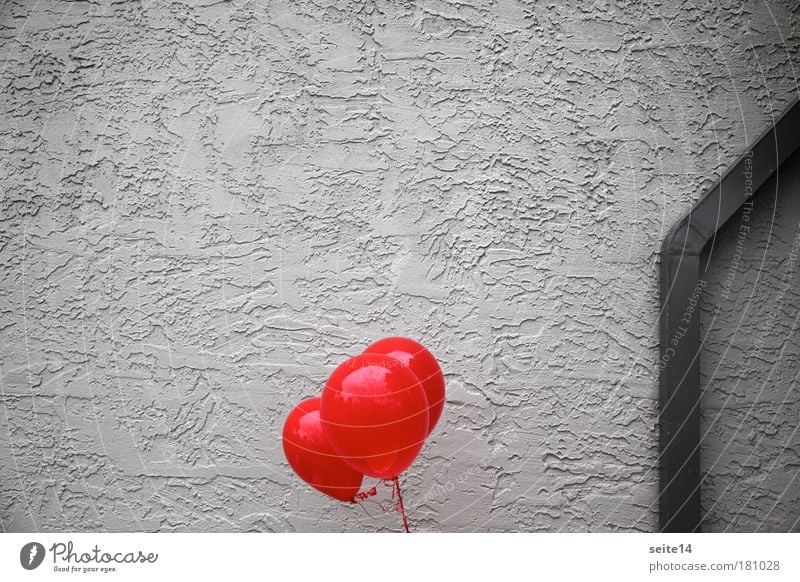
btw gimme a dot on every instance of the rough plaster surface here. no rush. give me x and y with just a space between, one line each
207 205
750 364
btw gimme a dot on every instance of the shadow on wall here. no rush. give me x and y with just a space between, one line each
750 364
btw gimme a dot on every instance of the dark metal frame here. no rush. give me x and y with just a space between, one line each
680 390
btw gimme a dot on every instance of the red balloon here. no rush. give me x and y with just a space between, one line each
312 457
375 414
423 364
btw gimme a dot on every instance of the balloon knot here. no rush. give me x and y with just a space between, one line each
361 495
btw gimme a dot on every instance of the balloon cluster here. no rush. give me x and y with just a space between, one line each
372 418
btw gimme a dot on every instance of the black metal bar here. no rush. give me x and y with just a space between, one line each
680 391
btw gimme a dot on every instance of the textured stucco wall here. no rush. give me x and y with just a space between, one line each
207 205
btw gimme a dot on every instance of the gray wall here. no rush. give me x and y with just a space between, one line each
207 206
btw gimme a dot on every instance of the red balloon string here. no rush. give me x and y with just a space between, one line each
400 507
394 483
